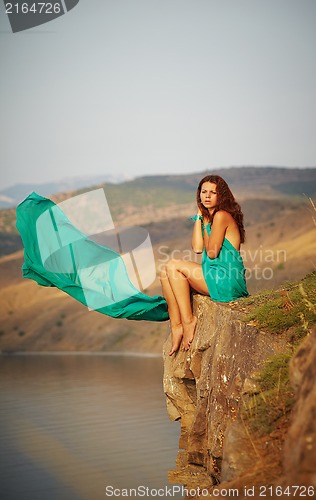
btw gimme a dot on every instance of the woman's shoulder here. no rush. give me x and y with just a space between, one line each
223 216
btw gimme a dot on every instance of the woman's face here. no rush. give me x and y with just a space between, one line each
208 195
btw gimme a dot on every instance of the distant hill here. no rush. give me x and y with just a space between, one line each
272 180
13 195
158 197
266 180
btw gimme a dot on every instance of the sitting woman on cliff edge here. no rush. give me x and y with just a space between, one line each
218 233
57 253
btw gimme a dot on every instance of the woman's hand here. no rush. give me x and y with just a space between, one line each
199 208
197 238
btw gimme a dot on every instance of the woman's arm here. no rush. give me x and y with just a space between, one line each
197 238
219 226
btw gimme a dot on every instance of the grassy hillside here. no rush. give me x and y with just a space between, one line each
280 247
37 318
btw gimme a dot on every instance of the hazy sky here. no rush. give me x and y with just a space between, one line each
158 86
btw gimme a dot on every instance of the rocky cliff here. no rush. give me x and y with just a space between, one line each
245 394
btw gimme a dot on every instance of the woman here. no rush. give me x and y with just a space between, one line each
218 232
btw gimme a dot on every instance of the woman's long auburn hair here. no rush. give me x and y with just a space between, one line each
225 201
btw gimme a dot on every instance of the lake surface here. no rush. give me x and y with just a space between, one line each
73 425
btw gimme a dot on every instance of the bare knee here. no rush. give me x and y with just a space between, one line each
168 270
175 266
172 265
163 273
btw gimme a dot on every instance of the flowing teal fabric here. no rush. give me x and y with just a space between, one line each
57 254
224 275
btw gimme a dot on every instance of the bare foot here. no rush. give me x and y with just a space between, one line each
176 336
188 333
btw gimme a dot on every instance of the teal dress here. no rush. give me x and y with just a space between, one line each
57 254
224 275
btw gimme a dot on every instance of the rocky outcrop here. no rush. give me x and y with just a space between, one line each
206 388
300 460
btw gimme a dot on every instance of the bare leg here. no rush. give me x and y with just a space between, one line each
181 275
174 312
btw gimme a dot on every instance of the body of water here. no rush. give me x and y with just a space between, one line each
83 427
